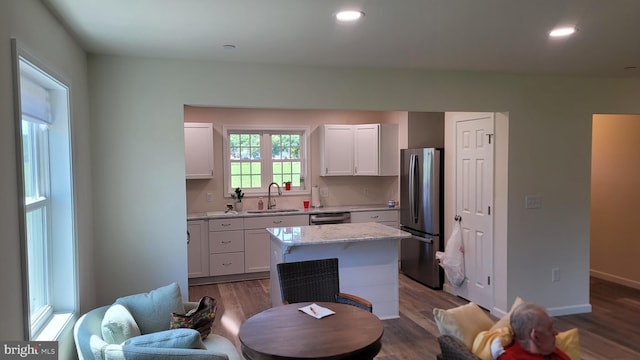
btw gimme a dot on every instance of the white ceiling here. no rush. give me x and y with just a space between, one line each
478 35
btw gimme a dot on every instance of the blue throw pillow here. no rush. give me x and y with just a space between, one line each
152 311
176 338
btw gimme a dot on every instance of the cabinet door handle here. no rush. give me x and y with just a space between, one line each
188 237
226 242
225 225
227 264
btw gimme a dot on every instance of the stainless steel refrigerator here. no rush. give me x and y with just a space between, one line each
421 214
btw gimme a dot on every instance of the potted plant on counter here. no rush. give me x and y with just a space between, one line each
237 195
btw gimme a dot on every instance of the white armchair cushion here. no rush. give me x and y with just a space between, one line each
152 310
175 338
118 325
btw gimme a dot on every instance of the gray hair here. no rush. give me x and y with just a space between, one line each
525 317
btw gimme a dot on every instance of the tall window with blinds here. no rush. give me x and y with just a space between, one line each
46 183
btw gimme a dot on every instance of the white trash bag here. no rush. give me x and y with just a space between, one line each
452 259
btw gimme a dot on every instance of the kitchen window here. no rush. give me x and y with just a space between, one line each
257 157
47 226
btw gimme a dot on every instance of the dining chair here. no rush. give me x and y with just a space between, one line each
315 280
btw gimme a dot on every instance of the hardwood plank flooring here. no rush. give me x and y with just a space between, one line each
610 331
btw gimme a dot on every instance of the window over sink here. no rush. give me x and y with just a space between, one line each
256 157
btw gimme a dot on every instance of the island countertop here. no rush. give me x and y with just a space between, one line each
335 233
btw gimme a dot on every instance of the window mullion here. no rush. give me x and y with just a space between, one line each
267 162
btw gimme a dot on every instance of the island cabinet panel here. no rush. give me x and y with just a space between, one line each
367 259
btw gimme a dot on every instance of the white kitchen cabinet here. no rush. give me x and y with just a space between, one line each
226 246
256 253
197 248
361 150
376 151
336 154
385 217
198 150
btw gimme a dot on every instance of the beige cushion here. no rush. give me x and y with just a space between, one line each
506 320
118 325
482 343
568 342
463 322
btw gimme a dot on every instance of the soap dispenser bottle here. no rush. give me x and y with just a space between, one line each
260 204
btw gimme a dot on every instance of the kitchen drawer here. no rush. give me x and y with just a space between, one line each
264 222
226 224
374 216
226 241
226 264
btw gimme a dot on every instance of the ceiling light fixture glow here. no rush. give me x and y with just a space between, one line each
566 31
349 15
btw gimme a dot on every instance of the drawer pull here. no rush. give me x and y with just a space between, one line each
227 264
226 242
277 221
225 224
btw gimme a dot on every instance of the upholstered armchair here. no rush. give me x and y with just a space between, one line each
142 331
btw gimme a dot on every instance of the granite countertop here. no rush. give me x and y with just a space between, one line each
310 211
335 233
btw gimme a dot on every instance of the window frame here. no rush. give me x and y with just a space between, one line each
266 160
58 197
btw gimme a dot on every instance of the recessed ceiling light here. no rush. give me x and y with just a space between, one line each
349 15
565 31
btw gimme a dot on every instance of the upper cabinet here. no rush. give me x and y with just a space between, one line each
336 150
361 150
198 150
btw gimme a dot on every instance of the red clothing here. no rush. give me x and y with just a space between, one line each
516 352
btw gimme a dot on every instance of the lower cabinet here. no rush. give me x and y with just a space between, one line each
197 248
257 255
226 246
385 217
235 245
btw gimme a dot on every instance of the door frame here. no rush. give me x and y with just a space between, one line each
501 298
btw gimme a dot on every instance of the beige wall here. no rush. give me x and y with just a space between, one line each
343 190
615 177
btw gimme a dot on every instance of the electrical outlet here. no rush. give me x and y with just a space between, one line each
555 274
532 202
209 197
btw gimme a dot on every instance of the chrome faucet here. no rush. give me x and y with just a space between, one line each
269 204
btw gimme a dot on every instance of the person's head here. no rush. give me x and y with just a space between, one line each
533 329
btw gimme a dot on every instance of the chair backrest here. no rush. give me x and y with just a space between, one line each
313 280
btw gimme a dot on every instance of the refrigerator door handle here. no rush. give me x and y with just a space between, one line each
413 183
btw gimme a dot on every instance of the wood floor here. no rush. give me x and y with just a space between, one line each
611 331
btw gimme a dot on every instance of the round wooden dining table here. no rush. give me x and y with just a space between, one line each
284 332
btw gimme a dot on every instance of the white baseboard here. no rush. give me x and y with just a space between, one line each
615 279
569 310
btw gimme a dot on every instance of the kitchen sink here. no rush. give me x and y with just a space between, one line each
222 212
270 211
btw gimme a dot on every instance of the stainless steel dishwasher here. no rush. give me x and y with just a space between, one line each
341 217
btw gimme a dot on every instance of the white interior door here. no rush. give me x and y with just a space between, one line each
474 201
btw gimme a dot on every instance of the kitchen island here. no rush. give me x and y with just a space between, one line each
367 255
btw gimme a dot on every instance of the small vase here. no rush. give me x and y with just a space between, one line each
238 205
